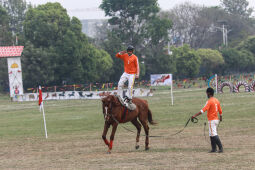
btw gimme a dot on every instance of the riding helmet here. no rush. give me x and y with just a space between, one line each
130 48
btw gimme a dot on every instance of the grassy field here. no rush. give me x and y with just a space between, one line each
75 128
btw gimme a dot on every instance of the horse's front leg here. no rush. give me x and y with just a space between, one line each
114 128
106 127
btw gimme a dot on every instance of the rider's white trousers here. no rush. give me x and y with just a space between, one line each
131 79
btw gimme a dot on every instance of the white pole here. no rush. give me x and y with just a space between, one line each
172 93
223 34
44 120
226 34
216 82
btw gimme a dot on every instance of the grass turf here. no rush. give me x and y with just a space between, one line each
75 127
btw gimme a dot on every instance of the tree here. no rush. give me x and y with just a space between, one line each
247 54
248 44
157 31
161 64
238 28
237 7
187 61
211 60
129 18
5 34
37 68
5 40
200 27
237 61
16 10
134 22
46 24
111 43
156 58
188 28
68 56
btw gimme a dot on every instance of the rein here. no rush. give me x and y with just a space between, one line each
125 127
193 120
131 130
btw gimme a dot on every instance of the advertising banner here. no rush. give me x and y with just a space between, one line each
15 76
72 95
161 79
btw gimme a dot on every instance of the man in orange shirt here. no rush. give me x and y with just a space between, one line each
131 71
212 107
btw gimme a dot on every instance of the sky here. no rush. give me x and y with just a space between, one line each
88 9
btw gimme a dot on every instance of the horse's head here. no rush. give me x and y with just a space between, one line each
108 103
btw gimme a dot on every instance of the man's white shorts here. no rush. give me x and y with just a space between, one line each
213 124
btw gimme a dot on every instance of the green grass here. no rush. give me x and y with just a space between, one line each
75 127
82 116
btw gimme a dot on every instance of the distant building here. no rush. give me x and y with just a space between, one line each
89 26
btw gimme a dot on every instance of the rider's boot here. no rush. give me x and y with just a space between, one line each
127 101
213 144
218 142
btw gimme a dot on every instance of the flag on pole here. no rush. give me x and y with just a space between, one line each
40 102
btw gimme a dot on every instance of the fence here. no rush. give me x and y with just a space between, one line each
200 82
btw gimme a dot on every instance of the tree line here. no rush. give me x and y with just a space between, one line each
193 33
185 41
56 51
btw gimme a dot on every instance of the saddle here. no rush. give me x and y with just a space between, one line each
128 105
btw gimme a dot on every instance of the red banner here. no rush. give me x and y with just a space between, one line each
11 51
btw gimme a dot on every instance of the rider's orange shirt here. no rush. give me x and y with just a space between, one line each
131 64
212 107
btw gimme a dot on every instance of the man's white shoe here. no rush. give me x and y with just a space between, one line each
129 104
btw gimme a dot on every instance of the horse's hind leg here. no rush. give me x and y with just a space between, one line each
138 127
146 130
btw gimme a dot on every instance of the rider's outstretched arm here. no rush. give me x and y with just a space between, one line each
120 54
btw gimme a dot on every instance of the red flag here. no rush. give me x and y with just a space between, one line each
40 102
40 96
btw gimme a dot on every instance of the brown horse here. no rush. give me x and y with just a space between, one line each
115 113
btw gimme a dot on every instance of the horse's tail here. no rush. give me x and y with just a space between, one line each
150 118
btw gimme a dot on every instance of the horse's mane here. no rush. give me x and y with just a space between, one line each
112 98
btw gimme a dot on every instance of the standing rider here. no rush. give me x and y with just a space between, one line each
212 107
131 72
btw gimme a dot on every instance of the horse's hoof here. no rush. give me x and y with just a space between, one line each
147 148
137 147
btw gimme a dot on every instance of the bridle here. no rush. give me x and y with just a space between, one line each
107 115
107 112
